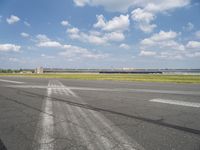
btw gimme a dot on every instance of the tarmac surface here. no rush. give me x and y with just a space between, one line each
58 114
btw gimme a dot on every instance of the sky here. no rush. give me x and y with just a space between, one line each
99 34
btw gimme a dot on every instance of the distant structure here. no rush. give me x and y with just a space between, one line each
39 70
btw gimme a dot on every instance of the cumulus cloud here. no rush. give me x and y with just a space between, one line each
25 35
162 40
95 37
124 46
193 44
71 51
164 45
114 36
12 19
13 59
9 47
145 10
143 19
64 23
124 5
47 56
44 41
197 34
81 3
119 23
188 27
147 53
103 32
27 24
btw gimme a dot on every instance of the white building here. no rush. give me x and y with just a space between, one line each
39 70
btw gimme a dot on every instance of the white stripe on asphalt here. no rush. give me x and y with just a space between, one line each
44 133
111 90
176 102
94 130
11 81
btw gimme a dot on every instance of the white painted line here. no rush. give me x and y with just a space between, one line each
102 134
176 102
44 133
11 81
110 90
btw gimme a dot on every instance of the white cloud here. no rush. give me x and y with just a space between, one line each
44 41
13 19
75 51
143 19
42 38
13 59
124 5
95 37
64 23
25 35
47 56
147 11
120 23
188 27
114 36
9 47
73 30
27 24
100 22
147 53
192 55
193 44
159 38
80 3
124 46
170 55
69 51
111 31
197 34
164 44
51 44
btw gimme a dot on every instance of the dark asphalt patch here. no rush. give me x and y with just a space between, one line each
2 146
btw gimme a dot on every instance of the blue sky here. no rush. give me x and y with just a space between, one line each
100 33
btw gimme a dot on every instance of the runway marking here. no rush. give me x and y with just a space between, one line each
176 102
44 133
89 128
11 81
110 90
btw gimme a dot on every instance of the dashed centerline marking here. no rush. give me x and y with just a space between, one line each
176 102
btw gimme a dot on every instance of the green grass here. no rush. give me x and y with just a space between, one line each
119 77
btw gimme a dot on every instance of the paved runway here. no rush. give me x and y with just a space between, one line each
58 114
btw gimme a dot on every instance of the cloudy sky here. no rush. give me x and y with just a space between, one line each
100 33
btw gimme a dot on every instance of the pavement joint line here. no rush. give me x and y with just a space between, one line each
176 102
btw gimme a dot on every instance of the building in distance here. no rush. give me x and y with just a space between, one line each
39 70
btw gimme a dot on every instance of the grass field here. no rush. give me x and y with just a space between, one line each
119 77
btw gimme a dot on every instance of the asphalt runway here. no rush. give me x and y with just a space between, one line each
58 114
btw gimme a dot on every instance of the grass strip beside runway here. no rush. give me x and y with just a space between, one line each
119 77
